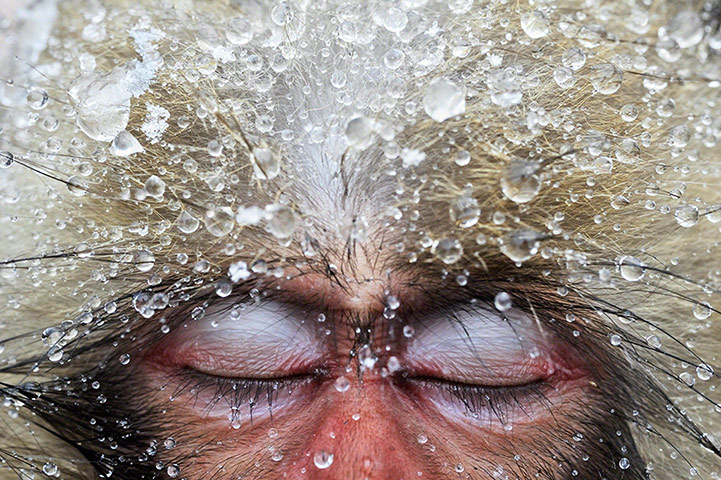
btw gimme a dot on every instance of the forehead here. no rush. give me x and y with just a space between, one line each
410 131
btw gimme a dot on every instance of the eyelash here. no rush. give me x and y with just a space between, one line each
239 392
497 400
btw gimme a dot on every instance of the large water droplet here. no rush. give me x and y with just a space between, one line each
444 99
520 245
281 222
449 250
322 459
125 144
606 78
519 182
219 221
535 24
631 268
144 260
155 186
187 223
464 210
686 215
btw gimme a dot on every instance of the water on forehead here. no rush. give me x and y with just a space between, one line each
341 77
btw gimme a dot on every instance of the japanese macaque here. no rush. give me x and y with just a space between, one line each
384 240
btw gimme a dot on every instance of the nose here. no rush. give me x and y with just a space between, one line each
363 433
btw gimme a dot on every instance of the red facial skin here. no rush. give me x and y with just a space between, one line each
373 428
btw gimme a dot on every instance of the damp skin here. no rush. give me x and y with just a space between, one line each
367 240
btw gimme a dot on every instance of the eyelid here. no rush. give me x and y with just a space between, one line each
484 346
261 342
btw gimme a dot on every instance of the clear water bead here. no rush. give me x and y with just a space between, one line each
449 250
520 245
503 301
187 223
50 469
686 215
631 268
535 24
704 372
444 99
686 29
281 222
322 459
125 144
219 221
341 384
519 182
155 186
144 260
395 19
606 78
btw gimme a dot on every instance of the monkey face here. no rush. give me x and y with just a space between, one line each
326 240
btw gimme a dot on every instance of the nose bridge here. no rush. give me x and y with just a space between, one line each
359 437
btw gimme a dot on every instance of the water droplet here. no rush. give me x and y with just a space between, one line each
6 159
564 77
535 24
173 471
624 463
342 384
408 331
322 459
629 112
679 136
519 182
124 359
187 223
686 28
281 223
463 158
615 340
125 144
654 341
606 78
702 310
282 13
50 469
155 186
393 58
38 98
520 245
449 250
704 372
686 215
144 260
395 19
359 132
631 268
464 210
219 221
628 151
574 58
503 301
266 164
444 99
239 31
687 378
77 186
